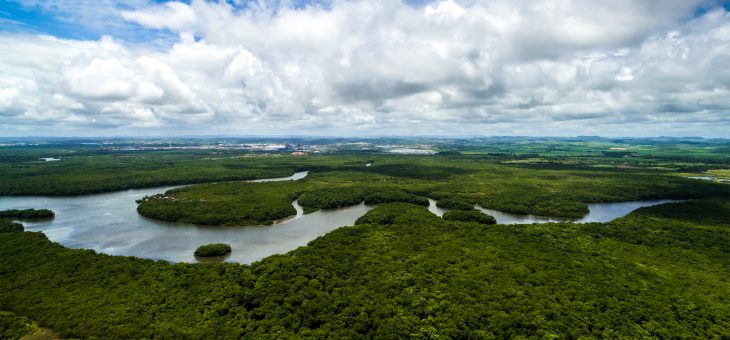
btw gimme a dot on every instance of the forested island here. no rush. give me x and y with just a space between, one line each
400 271
212 250
456 182
26 214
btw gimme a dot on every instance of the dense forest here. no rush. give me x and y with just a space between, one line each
8 226
401 272
469 216
13 326
214 249
456 182
26 214
80 175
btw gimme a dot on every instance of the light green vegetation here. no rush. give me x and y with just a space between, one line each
401 272
660 153
14 327
723 174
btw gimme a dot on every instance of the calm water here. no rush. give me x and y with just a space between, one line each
410 151
109 223
294 177
598 212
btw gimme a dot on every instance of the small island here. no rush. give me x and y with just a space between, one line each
27 214
213 250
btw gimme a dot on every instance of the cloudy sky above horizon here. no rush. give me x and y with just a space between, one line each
364 68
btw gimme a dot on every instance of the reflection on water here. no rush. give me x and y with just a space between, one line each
109 223
294 177
412 151
434 209
506 218
213 259
300 213
598 212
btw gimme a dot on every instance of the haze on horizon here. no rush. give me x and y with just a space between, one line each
365 68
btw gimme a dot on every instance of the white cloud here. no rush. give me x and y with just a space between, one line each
548 67
170 15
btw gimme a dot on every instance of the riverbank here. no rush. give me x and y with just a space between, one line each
403 272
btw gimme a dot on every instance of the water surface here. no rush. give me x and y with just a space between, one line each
109 223
598 212
412 151
294 177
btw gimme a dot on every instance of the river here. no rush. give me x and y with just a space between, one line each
597 212
109 223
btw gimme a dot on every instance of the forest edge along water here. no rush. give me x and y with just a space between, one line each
109 223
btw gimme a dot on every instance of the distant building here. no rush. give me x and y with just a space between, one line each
298 153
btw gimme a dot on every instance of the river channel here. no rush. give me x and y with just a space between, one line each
109 223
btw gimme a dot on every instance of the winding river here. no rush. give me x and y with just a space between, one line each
597 212
109 223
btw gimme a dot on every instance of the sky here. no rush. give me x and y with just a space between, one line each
633 68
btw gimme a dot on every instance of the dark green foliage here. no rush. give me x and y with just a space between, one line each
346 196
714 212
79 175
214 249
239 203
555 206
387 196
400 272
448 153
418 171
8 226
26 214
14 327
469 216
528 201
332 198
454 203
525 182
547 191
391 213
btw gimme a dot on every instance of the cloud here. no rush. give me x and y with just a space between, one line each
544 67
171 15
